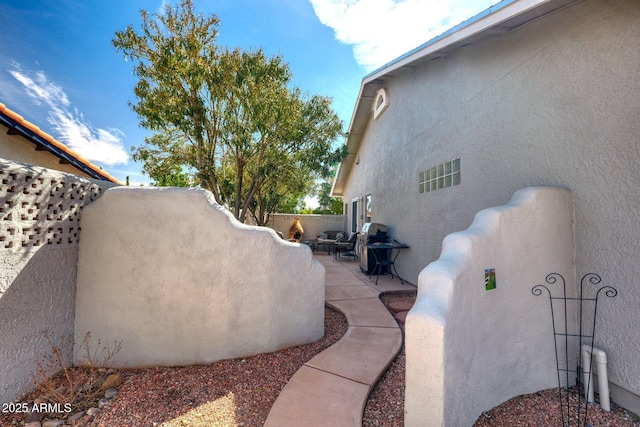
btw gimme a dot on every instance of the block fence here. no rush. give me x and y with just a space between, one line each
39 234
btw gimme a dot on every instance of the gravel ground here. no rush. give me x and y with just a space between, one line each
542 409
385 406
236 392
240 392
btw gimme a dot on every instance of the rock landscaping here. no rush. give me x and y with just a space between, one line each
90 397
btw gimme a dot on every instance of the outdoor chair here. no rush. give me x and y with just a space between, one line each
328 239
347 248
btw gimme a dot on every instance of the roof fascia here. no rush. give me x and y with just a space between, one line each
18 126
486 20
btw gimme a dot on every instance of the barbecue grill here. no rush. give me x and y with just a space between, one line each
371 233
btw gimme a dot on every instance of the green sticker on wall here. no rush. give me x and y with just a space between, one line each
489 279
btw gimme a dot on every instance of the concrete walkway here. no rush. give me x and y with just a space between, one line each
332 388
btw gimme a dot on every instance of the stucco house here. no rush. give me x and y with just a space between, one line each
528 93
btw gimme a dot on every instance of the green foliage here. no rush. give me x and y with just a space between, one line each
326 203
306 211
229 116
175 179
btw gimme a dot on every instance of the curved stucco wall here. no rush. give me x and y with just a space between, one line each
179 281
470 349
554 103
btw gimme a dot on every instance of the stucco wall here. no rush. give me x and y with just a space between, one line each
313 224
468 348
179 281
39 213
554 103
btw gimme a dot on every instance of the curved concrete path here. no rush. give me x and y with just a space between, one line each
332 388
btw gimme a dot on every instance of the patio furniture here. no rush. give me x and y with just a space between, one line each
385 261
328 240
326 244
312 243
346 248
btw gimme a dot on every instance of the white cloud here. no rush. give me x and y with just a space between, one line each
39 88
99 145
382 30
162 7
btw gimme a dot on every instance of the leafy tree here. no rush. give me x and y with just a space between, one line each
283 194
174 179
227 116
326 203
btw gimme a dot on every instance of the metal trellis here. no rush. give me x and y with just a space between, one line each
562 333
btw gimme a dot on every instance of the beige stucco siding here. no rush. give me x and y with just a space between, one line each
18 149
554 103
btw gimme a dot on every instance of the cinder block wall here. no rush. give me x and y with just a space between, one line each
39 232
174 277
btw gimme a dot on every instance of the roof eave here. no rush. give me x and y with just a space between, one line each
19 126
502 18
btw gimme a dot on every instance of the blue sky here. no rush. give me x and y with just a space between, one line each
59 70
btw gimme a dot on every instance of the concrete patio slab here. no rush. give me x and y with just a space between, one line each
336 293
326 259
316 398
341 278
365 312
386 283
331 265
354 357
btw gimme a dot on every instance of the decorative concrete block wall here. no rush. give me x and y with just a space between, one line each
175 278
470 349
39 232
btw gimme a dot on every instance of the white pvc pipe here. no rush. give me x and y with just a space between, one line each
603 380
587 378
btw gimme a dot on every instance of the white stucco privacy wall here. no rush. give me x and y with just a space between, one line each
179 281
469 349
